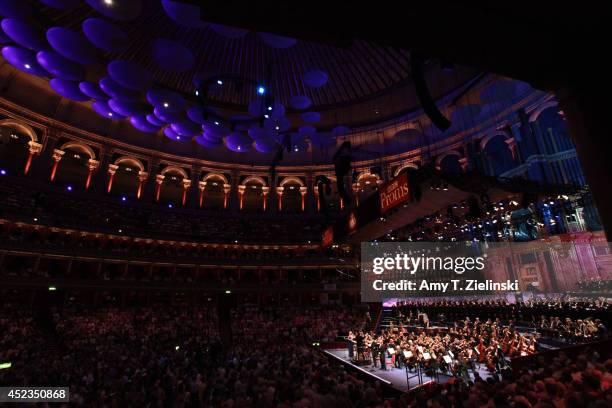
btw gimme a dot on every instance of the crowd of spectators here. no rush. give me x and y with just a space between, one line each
175 357
570 380
39 237
159 357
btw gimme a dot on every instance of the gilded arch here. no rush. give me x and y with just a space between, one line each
292 179
132 161
176 171
21 127
79 147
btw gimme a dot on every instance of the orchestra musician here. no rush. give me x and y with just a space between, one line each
468 342
350 341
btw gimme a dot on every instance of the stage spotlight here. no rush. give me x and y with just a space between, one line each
261 90
69 188
219 82
3 172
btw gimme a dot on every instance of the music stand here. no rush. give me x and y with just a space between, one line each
418 375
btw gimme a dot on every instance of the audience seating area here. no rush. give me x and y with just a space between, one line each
176 356
25 200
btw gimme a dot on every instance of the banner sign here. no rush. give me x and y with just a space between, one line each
394 193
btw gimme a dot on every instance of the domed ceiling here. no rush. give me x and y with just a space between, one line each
159 67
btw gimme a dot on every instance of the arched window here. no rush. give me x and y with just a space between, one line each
252 194
498 154
128 176
172 186
214 191
292 194
14 148
366 185
74 169
449 163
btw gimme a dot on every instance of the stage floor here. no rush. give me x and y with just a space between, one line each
396 376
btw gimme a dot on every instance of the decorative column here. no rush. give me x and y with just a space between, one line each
318 199
356 193
265 191
142 177
194 196
159 179
273 196
512 146
515 131
57 156
241 189
34 149
279 194
310 196
50 142
303 193
234 201
92 165
201 188
150 185
112 169
227 189
186 185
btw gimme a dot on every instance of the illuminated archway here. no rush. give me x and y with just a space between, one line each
367 184
449 162
292 194
498 149
253 194
172 186
214 191
74 164
126 176
18 145
404 167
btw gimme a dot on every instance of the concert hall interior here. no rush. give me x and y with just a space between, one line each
191 194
